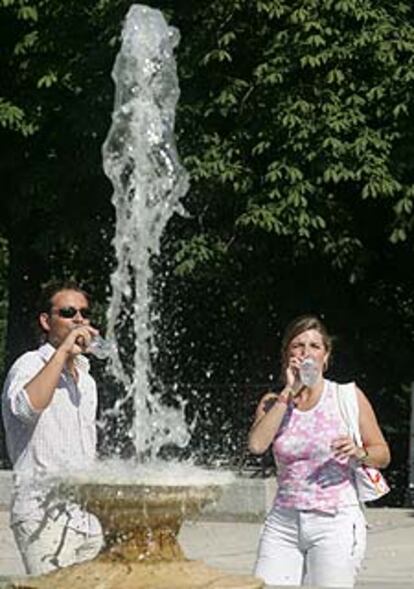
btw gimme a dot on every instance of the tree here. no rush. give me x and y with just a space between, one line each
295 125
295 121
55 212
294 114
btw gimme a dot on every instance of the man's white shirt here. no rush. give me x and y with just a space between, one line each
59 439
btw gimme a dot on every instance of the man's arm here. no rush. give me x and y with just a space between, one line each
41 388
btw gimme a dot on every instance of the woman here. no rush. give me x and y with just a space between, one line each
315 532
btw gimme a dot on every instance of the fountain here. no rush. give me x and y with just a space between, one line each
141 504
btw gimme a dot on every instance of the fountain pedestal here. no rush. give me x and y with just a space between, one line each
141 525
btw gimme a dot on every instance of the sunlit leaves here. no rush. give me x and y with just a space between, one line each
27 12
283 104
47 80
219 55
13 117
198 252
321 105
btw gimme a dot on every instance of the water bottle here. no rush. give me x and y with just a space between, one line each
309 372
100 347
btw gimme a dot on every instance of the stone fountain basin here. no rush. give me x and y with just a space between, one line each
126 506
141 523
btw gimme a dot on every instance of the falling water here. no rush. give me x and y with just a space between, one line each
141 160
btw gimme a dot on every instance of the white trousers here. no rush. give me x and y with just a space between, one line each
49 545
311 548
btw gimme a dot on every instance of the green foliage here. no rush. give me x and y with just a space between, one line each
295 124
197 251
12 117
55 212
298 114
55 110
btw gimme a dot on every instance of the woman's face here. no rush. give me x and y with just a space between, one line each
309 344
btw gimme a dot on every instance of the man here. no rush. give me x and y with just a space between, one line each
49 410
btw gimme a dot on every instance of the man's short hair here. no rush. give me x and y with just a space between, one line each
53 287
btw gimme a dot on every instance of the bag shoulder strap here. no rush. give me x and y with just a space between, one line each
349 408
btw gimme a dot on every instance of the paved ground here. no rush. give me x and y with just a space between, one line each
231 546
389 563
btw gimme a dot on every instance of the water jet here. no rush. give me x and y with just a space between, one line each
141 512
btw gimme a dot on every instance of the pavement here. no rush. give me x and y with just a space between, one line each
231 545
389 561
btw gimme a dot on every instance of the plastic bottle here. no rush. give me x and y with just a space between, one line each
309 372
100 347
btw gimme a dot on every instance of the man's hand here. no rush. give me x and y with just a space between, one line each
78 339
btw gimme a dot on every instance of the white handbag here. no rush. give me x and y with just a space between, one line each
370 483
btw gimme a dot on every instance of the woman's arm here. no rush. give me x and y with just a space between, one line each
375 451
268 420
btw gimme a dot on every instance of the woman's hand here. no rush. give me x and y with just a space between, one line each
345 447
292 373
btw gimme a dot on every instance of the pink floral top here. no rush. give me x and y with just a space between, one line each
310 477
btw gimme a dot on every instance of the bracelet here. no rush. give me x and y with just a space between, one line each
285 397
362 458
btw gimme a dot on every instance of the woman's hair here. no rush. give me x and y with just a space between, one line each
298 326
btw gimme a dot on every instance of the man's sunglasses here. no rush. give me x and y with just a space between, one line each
70 312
